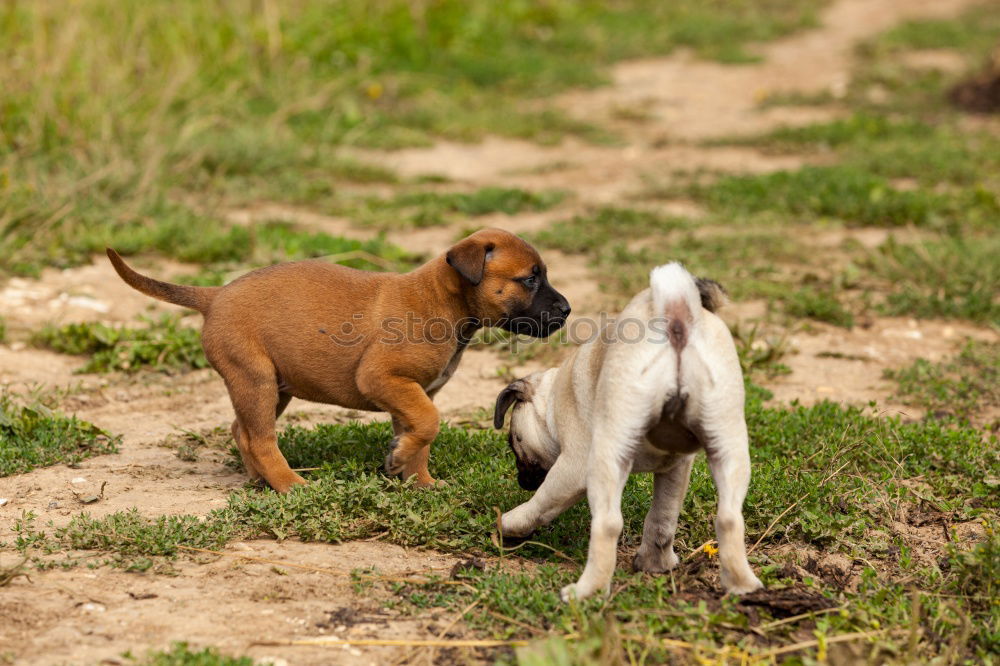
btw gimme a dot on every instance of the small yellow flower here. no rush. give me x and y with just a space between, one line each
710 550
374 90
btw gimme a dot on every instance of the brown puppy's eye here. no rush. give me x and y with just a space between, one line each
530 282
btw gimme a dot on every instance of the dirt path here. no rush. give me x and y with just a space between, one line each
83 616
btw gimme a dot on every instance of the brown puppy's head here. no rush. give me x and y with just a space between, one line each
506 283
535 449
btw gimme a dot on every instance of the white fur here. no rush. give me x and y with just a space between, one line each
596 422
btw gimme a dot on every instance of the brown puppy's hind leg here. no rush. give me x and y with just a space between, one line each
415 422
257 403
241 443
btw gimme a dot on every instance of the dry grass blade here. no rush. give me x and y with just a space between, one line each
9 574
842 638
396 642
792 506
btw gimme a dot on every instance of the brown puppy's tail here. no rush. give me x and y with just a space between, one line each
196 298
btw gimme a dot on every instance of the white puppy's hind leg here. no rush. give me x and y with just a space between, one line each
606 478
563 487
729 461
656 553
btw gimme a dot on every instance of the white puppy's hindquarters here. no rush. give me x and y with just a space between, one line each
639 401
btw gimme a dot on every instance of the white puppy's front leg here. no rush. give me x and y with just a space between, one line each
729 461
656 553
606 478
563 487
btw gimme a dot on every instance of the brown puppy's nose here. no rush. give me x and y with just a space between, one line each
562 305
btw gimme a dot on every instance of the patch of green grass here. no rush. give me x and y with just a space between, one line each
106 112
35 436
163 345
818 304
974 31
895 145
948 277
957 387
846 193
759 353
606 225
180 654
349 498
424 209
882 80
953 607
275 241
802 456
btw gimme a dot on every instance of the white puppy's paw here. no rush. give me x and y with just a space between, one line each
744 584
655 560
569 593
581 590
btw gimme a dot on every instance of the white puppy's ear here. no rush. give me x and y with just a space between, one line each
519 390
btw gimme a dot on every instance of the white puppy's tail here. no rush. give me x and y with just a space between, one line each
676 299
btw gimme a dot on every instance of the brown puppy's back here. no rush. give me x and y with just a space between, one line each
302 318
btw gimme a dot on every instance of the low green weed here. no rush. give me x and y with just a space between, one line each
35 436
180 654
946 277
818 304
234 103
958 387
597 229
348 497
163 345
424 209
802 456
847 193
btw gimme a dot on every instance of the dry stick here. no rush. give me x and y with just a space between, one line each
794 618
792 506
454 621
517 623
698 550
842 638
395 642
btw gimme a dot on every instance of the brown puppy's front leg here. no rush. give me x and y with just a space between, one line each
414 420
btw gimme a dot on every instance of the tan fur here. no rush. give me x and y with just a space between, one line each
270 335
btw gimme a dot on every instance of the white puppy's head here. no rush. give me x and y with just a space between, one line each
530 438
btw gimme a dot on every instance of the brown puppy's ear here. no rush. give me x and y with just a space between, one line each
468 257
515 391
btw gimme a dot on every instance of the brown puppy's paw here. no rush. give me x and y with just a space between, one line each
393 467
282 483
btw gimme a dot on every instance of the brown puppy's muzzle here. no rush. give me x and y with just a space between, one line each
546 314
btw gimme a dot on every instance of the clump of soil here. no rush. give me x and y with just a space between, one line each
981 93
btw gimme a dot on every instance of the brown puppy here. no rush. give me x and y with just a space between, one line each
365 340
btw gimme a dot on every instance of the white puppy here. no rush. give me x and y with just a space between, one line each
661 383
